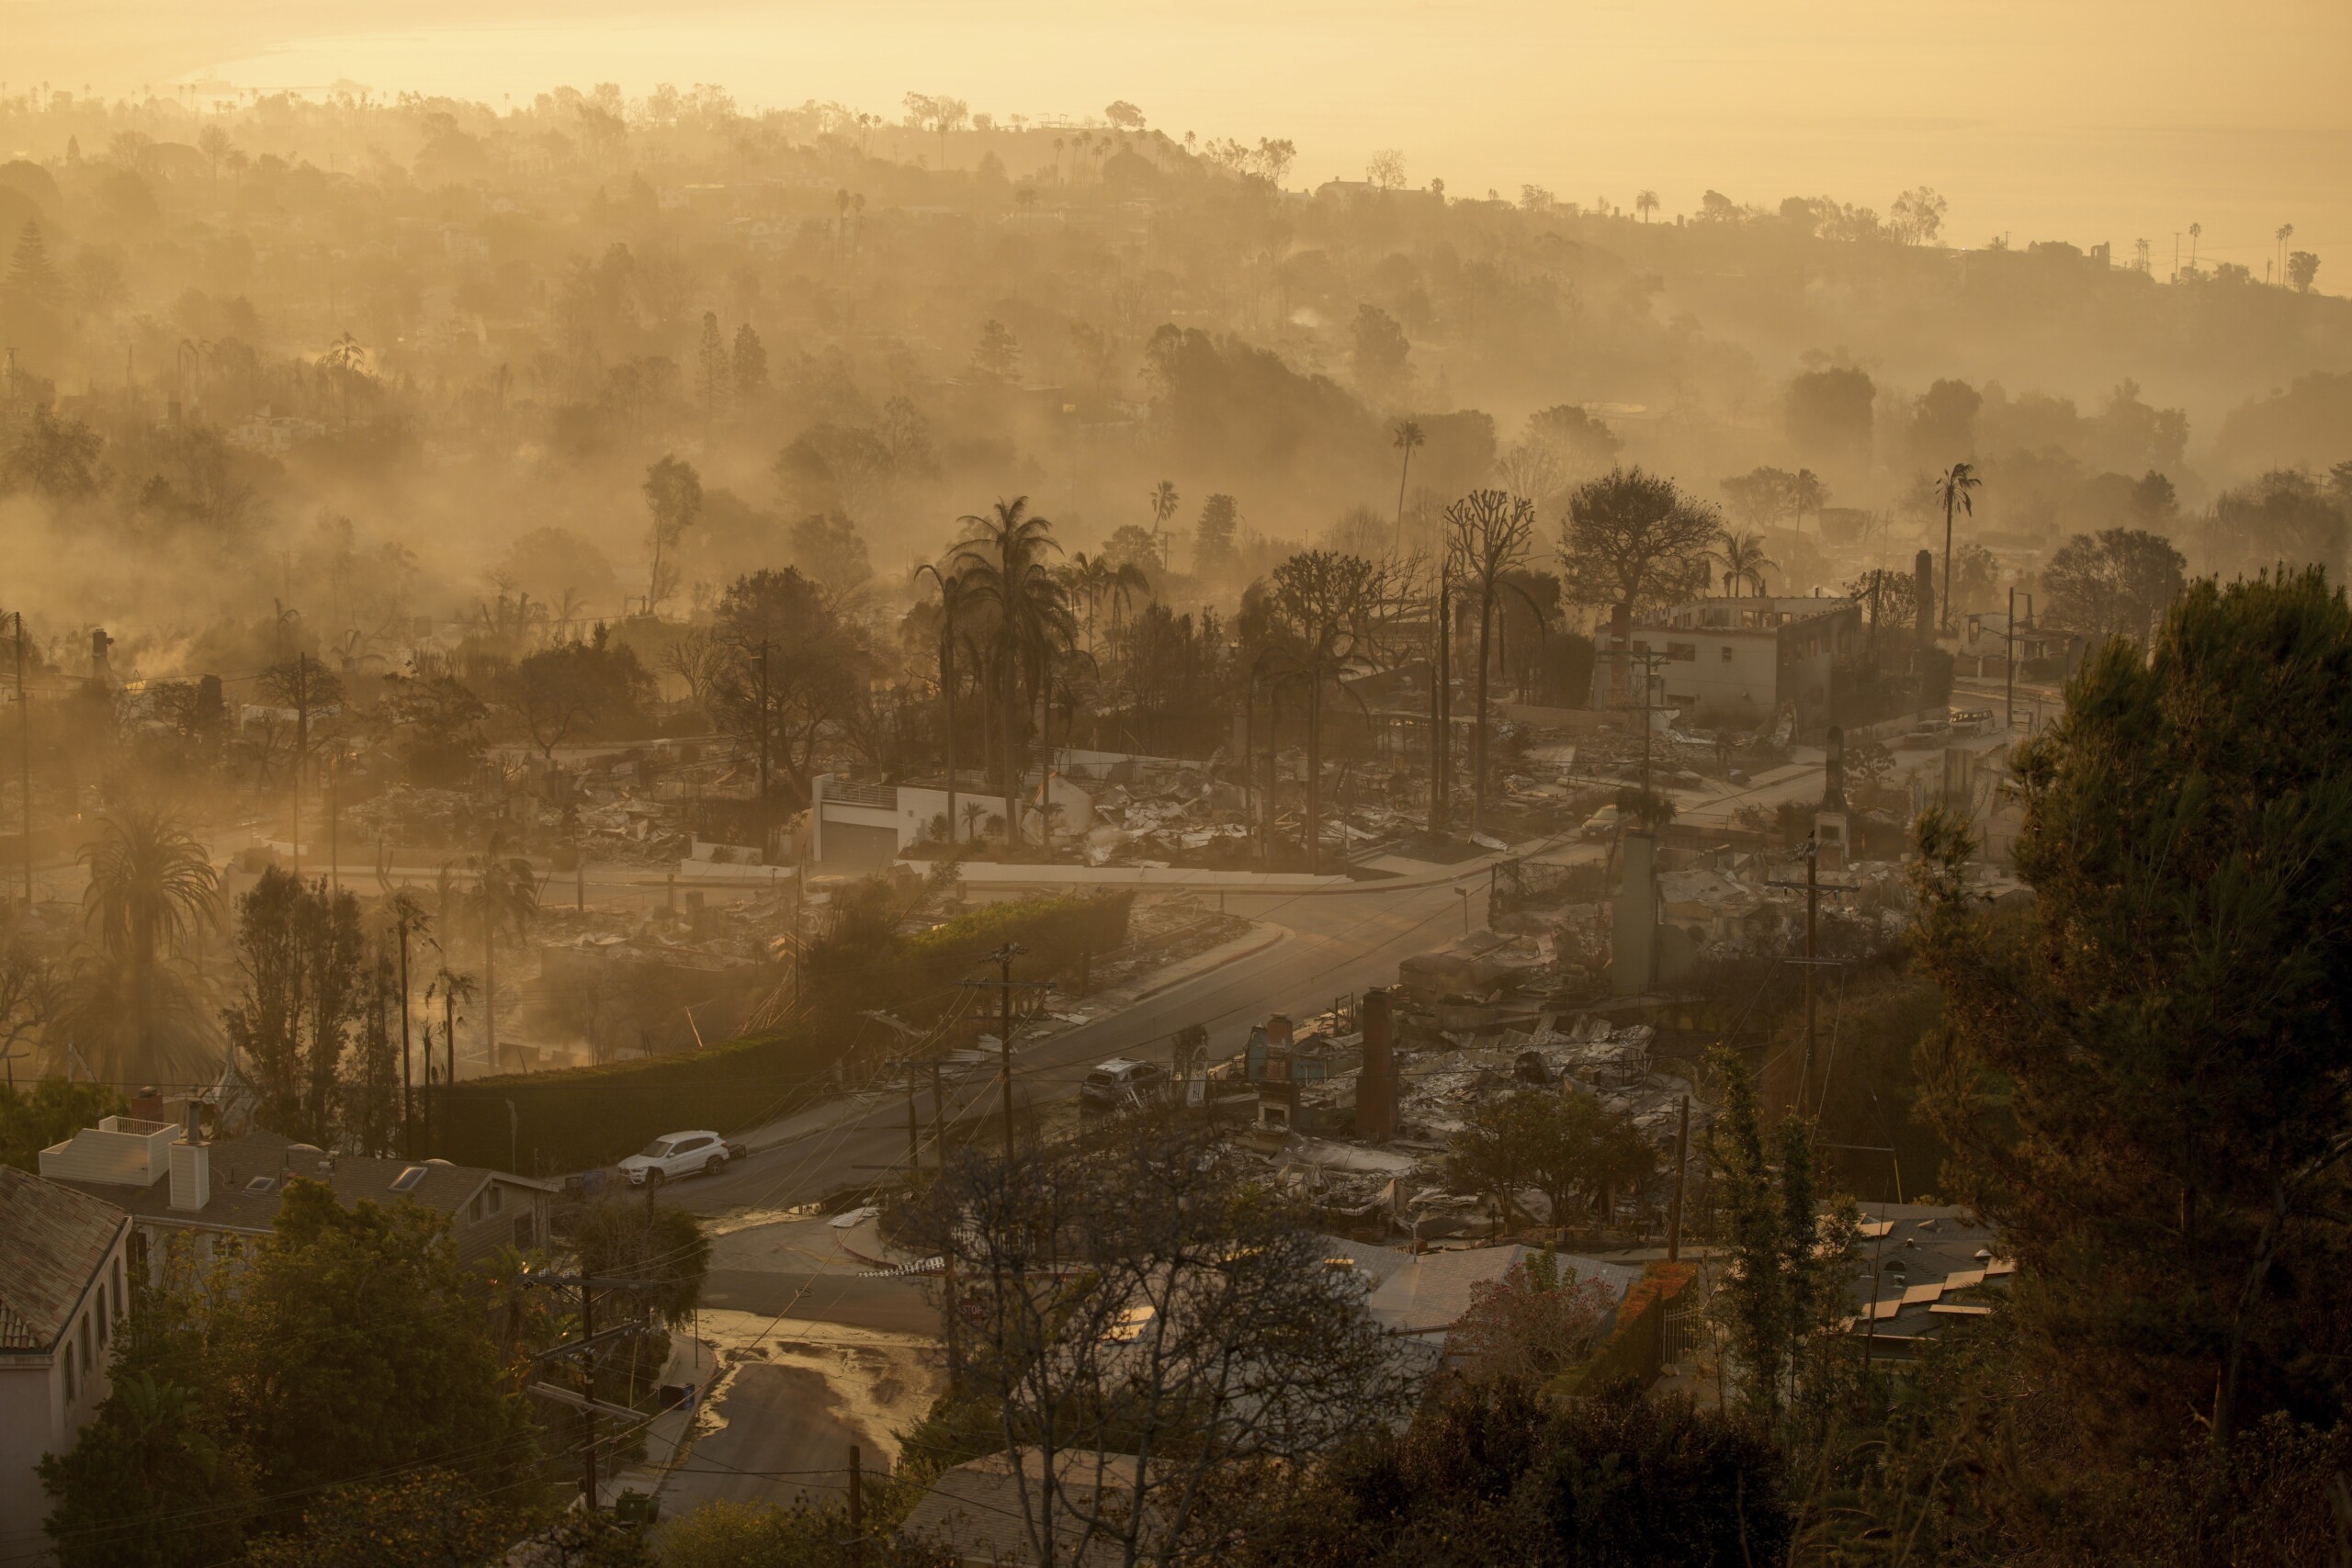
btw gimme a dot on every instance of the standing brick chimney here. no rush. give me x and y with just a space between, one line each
1376 1084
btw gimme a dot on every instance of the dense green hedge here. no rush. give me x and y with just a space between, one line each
588 1117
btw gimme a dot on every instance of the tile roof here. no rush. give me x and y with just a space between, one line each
53 1241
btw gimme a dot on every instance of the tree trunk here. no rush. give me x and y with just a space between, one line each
490 988
1478 734
2226 1396
1313 771
1012 751
1440 717
947 690
408 1090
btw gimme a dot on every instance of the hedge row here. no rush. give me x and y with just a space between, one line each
588 1117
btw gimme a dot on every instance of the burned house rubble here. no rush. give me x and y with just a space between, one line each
1355 1109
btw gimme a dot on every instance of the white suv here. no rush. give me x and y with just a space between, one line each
675 1155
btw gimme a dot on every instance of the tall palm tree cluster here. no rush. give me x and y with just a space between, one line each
318 1018
1031 650
1004 620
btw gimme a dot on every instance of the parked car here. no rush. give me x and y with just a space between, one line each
1601 823
673 1155
1120 1082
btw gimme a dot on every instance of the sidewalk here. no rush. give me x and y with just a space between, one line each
692 1361
1178 879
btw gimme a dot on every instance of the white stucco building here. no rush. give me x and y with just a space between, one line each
1731 661
63 1277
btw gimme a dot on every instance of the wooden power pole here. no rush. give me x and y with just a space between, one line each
1004 985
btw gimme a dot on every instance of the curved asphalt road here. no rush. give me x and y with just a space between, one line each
1333 943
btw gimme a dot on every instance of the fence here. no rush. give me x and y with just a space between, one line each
1653 1324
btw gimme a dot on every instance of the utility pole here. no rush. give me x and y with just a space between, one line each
1004 984
2009 714
585 1349
1249 755
24 733
914 1146
588 1392
1674 1206
938 1117
334 852
1441 704
1813 889
763 723
856 1507
301 753
407 1092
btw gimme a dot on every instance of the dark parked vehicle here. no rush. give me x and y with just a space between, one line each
1122 1084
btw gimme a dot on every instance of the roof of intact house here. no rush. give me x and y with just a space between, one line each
249 1180
1933 1264
53 1241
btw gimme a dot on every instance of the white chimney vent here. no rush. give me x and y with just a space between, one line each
191 1176
191 1166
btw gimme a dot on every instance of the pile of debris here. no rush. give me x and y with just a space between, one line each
1300 1086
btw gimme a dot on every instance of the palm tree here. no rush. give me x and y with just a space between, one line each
952 613
1163 507
347 361
1002 555
1743 559
1952 489
1121 584
451 988
1645 203
1406 437
2286 232
974 813
403 917
151 884
505 892
1806 493
2196 232
1089 578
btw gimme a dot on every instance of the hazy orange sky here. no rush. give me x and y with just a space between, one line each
2079 120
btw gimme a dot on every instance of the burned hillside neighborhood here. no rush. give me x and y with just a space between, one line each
751 826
